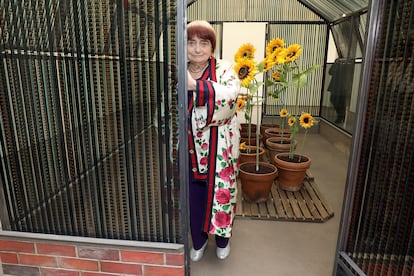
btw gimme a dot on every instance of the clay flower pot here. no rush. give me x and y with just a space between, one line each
276 145
263 128
245 128
253 140
250 156
276 132
256 185
291 172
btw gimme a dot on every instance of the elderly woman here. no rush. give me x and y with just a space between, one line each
213 136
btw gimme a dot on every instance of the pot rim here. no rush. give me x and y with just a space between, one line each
277 139
253 150
265 164
282 163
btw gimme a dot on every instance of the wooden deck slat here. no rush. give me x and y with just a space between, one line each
315 199
263 209
286 204
302 205
277 202
322 199
311 206
254 209
295 206
307 204
271 208
239 209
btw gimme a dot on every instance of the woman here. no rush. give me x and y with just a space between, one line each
213 141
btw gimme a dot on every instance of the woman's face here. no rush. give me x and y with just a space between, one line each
199 50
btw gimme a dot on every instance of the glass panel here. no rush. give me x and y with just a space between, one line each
341 93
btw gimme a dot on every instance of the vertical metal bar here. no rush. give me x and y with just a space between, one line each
160 30
356 147
183 124
125 186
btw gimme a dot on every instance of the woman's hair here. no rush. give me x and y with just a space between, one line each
202 29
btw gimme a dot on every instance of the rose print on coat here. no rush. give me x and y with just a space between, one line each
222 219
227 173
223 196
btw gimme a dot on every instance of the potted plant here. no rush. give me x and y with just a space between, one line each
291 166
256 177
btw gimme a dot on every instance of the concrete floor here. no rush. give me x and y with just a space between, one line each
288 248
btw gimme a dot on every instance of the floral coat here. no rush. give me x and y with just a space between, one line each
214 137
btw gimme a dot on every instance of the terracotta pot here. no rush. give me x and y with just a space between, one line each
245 128
251 156
291 172
256 185
276 145
252 142
276 132
263 128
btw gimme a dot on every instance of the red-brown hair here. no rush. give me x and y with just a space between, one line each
203 30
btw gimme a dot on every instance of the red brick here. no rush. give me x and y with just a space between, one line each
17 246
175 259
60 272
39 260
20 270
79 264
98 253
150 270
10 258
142 257
134 269
56 249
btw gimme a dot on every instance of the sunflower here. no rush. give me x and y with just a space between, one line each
245 70
245 51
283 112
243 146
306 120
293 52
273 45
241 102
268 63
281 58
276 76
292 121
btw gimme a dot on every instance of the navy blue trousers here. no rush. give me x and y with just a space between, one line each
198 194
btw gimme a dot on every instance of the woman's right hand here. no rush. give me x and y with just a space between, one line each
191 82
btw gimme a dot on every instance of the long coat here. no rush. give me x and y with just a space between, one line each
214 137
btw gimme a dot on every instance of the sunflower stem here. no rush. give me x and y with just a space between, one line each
257 131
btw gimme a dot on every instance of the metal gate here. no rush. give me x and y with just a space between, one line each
88 126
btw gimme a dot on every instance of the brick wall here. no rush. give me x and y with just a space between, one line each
53 257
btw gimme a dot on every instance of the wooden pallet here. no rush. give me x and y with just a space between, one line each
306 205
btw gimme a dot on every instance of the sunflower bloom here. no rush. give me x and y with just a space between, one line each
276 76
281 58
243 146
291 121
306 120
241 102
274 45
246 51
245 70
268 63
283 112
293 52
